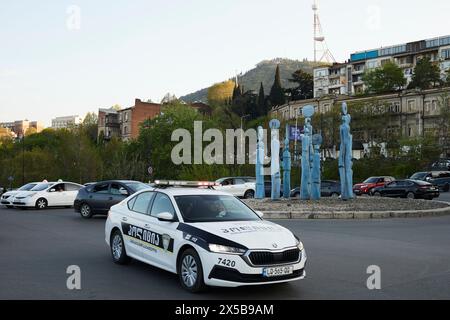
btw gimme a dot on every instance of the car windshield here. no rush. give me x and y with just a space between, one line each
213 208
418 176
137 186
27 187
41 187
371 180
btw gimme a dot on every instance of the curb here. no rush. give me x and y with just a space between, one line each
357 215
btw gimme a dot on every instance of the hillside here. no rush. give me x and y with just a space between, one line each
263 72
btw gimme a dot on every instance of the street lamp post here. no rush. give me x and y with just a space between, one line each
242 129
23 158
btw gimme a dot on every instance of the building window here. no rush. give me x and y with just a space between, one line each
434 105
445 54
125 130
427 106
410 131
411 105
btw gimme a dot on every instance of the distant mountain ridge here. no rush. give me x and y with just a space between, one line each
263 72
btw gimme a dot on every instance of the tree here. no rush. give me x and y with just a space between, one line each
221 92
426 75
305 86
276 96
262 103
386 79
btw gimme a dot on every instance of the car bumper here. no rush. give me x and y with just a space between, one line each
5 202
242 274
24 203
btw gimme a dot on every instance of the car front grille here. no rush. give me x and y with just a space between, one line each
265 258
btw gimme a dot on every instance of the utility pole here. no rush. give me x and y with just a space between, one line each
23 158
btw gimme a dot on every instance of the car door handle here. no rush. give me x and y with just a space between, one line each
124 219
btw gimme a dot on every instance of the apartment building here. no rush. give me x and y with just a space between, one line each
20 127
411 113
66 122
347 78
108 123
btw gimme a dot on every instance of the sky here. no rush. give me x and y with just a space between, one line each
63 57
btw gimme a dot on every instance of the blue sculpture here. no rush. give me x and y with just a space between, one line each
345 156
259 190
286 167
315 175
275 159
307 154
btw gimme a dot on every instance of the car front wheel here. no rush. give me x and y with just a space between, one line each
190 271
86 211
41 204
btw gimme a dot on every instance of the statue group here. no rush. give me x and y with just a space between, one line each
310 160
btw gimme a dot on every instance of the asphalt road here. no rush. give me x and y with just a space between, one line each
36 247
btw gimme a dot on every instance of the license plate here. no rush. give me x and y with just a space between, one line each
278 271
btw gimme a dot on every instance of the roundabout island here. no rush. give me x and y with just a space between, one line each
358 208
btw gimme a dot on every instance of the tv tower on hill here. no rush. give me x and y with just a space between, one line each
320 45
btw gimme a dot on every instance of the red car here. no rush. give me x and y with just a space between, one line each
369 184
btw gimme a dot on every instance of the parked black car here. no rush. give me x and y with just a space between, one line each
98 198
268 188
443 164
440 179
411 189
328 188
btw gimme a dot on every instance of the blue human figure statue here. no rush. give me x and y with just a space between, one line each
275 159
345 156
305 190
260 192
286 167
315 174
307 154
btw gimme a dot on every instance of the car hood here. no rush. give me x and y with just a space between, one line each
24 193
11 193
364 185
251 234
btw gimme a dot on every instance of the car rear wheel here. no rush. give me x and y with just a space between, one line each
86 211
297 195
118 251
410 195
41 204
249 194
377 194
190 271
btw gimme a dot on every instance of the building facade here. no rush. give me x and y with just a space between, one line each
347 78
20 127
411 113
66 122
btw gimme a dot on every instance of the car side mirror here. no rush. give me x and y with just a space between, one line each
52 190
427 178
260 214
124 192
166 216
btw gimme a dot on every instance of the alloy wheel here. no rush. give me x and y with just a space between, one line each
117 247
189 271
85 210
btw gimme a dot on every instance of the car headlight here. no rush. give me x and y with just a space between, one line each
299 244
217 248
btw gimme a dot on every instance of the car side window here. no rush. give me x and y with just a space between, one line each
102 188
227 182
142 202
162 204
116 189
72 187
59 187
239 181
392 185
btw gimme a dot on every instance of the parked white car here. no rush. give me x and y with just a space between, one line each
48 194
8 197
242 187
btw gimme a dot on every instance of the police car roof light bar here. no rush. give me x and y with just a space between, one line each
192 184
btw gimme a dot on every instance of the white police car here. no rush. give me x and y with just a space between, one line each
207 237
